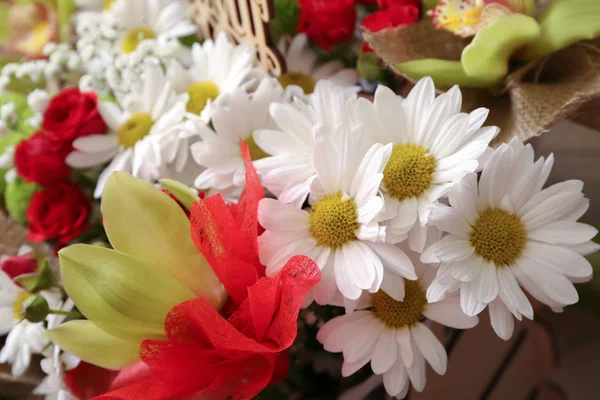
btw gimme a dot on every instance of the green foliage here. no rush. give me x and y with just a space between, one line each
17 197
287 14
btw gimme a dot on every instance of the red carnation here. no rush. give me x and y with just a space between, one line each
72 114
41 159
389 18
59 212
327 22
238 353
19 265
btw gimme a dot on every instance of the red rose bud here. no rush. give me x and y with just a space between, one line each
327 22
389 18
72 114
41 159
59 212
19 265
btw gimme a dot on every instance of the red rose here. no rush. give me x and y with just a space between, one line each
384 4
41 159
327 22
59 212
389 18
19 265
73 114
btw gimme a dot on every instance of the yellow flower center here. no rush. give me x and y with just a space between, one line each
18 305
256 153
107 4
306 82
498 236
134 129
200 93
333 221
399 314
409 172
133 38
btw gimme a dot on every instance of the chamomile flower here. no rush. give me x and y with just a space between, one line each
218 68
289 171
303 69
392 335
435 145
339 232
145 19
506 233
238 116
130 146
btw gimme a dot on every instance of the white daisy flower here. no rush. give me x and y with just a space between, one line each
435 145
218 68
506 232
132 144
56 362
392 335
150 19
290 170
238 116
339 232
304 71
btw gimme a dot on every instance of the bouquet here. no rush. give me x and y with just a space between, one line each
214 229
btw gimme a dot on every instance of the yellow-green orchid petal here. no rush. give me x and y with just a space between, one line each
563 23
90 343
183 193
145 223
126 298
444 73
489 54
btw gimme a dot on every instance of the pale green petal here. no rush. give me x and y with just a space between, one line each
184 194
444 73
147 224
90 343
123 296
489 54
563 23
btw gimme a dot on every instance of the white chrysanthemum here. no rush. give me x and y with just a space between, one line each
56 362
506 232
238 116
150 19
132 144
218 68
391 335
290 170
303 69
24 338
435 145
339 232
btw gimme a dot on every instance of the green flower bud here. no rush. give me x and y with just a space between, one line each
35 309
17 197
369 67
287 14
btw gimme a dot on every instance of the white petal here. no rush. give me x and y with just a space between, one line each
393 285
430 347
448 312
485 287
564 232
396 379
406 350
468 270
450 220
502 320
394 259
338 332
416 371
385 353
556 287
468 302
511 293
276 216
362 344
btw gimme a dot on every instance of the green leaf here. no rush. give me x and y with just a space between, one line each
183 193
444 73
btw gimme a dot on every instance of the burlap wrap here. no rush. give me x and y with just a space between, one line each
533 97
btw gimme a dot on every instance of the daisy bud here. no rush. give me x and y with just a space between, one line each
36 309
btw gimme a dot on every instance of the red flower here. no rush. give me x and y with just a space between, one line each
238 353
19 265
389 18
327 22
41 159
59 212
73 114
384 4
